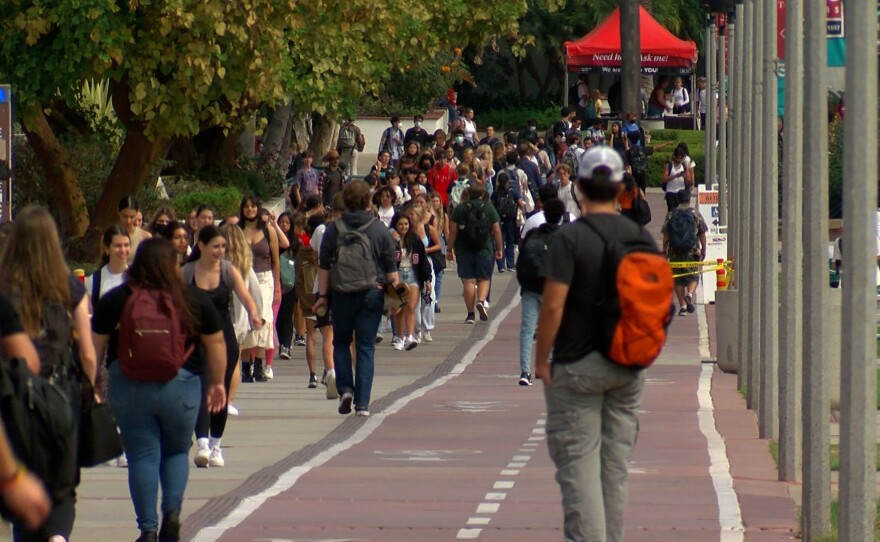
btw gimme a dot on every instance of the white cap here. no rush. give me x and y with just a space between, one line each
601 156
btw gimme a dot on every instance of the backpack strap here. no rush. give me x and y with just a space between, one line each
96 285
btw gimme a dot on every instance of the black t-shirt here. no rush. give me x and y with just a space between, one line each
109 311
577 253
10 323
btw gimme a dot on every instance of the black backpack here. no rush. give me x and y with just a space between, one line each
638 161
529 265
41 428
681 231
475 230
507 205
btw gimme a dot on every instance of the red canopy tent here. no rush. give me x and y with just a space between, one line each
661 50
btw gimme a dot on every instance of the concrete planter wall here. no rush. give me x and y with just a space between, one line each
727 341
372 128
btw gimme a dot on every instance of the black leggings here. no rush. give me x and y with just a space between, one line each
217 422
284 322
671 201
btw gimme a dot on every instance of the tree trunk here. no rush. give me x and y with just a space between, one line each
273 137
129 174
70 204
247 141
289 135
324 133
130 171
630 55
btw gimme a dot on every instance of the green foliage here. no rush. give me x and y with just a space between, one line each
189 195
507 120
835 169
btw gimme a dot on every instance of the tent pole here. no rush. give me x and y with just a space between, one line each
565 89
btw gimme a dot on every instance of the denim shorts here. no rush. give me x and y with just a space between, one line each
407 275
473 265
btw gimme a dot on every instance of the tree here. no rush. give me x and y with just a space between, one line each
631 57
184 67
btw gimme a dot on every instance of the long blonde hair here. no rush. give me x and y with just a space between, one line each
32 266
238 252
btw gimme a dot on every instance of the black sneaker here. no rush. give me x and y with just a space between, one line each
470 318
689 301
682 311
313 381
436 308
525 379
300 340
345 402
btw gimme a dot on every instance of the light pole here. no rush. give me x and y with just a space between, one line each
745 258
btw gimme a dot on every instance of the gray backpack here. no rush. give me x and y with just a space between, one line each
353 269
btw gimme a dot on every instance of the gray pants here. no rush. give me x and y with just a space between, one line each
591 431
349 158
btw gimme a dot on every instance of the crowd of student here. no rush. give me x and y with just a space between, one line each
345 257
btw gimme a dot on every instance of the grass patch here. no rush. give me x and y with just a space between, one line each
835 458
835 521
774 452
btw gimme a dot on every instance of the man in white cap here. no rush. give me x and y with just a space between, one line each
591 401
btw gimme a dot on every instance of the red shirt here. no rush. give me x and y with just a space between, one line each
439 180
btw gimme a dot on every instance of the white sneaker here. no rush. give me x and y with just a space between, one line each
231 410
267 372
426 336
122 461
332 393
395 340
483 310
410 343
399 345
417 337
203 457
216 458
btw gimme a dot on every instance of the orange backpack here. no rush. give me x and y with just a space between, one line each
637 307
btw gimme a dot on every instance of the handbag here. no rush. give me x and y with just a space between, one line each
99 440
641 210
288 273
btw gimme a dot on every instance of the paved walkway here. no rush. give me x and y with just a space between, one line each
456 450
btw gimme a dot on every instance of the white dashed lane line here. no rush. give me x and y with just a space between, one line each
491 501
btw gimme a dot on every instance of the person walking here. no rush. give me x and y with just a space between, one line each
350 142
157 417
591 401
684 240
210 272
54 311
356 292
473 232
128 210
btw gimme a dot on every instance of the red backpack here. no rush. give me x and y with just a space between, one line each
152 341
637 307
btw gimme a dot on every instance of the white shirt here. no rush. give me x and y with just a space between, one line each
108 282
565 195
680 96
536 220
315 243
385 216
678 183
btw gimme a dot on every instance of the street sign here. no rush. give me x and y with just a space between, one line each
5 153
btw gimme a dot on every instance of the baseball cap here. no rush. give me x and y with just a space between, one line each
601 157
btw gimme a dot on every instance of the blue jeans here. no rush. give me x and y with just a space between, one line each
356 317
508 243
156 422
438 284
530 306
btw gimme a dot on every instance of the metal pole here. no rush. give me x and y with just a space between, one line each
744 259
858 357
816 402
791 361
722 131
756 282
710 103
730 213
768 422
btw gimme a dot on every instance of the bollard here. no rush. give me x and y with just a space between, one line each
720 276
